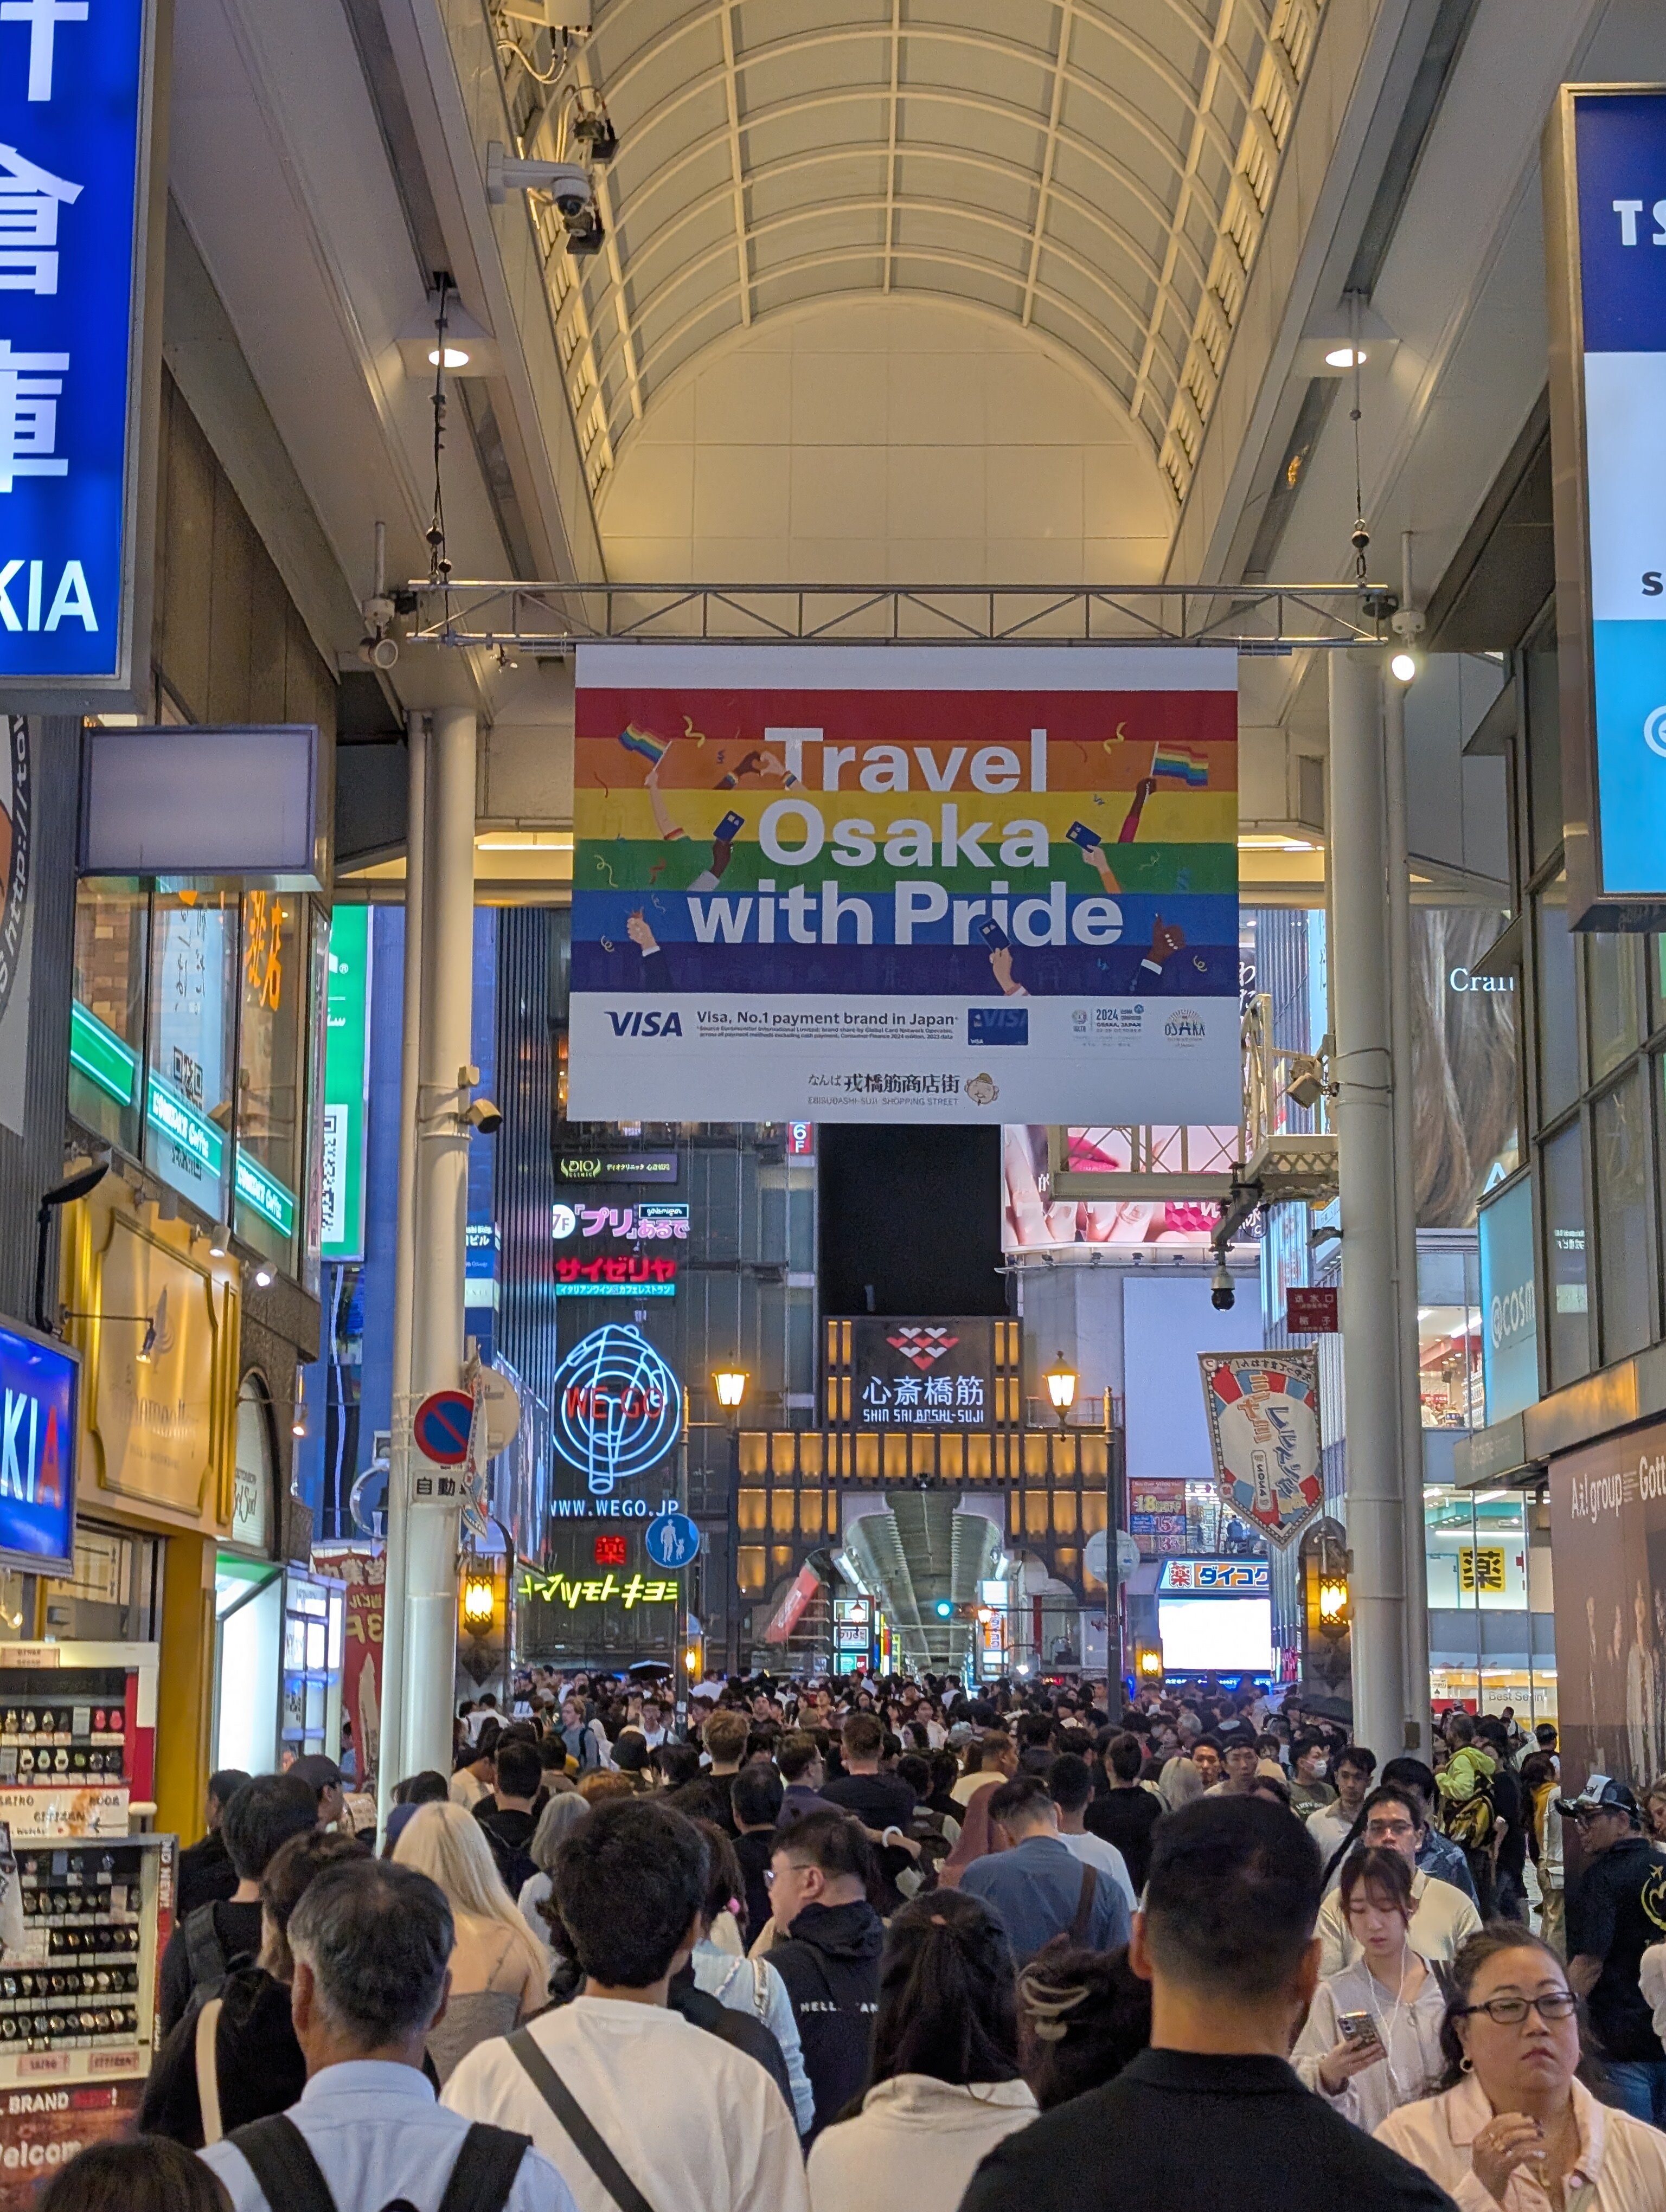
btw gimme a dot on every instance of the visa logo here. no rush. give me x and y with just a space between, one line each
638 1023
997 1025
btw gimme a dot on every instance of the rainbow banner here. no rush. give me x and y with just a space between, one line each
949 882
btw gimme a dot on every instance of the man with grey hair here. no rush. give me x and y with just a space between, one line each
371 1942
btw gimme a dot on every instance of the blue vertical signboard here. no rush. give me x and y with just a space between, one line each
75 77
1605 206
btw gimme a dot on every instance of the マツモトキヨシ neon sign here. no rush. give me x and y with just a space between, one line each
618 1407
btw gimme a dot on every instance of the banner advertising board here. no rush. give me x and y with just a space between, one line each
1607 1525
346 1082
1604 163
955 883
923 1374
1263 1411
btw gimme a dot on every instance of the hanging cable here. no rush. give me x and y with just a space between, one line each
439 568
1361 540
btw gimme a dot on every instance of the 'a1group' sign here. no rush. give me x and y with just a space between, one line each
75 101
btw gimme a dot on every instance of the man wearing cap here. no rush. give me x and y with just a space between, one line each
1615 1911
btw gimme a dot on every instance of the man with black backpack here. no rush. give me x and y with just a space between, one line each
508 1816
370 1941
258 1821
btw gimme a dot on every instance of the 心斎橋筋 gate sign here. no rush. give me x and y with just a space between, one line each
76 80
967 883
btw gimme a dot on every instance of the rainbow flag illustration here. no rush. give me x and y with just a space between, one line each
1178 760
634 740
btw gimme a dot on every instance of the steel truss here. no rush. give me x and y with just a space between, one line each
552 618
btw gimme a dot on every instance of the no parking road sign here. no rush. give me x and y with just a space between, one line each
440 1427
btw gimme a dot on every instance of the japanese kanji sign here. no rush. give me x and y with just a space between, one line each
75 98
930 1374
617 1251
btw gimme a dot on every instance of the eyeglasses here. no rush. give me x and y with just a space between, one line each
1510 2012
1385 1828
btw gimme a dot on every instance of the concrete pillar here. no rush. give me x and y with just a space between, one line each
1405 1210
1364 1122
390 1761
441 1217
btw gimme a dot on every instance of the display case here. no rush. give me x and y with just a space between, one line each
78 2019
78 1738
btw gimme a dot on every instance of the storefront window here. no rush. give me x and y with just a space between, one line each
113 1593
1613 966
272 989
188 1106
1448 1339
1486 1651
1622 1224
1565 1241
106 1009
1559 1036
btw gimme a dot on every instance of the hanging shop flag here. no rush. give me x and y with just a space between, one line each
1263 1414
954 883
346 1082
1605 167
74 150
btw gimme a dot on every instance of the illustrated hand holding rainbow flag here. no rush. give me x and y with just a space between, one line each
652 749
1180 761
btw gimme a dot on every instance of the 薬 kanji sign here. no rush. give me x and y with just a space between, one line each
75 147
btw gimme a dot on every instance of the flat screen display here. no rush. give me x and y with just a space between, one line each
1216 1635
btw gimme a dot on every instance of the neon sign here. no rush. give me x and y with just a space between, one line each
618 1407
600 1589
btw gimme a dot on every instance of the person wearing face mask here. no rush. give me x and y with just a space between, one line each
1441 1917
1511 2127
1309 1791
1372 2038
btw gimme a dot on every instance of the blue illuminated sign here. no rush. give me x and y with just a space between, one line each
39 1381
1606 166
74 96
618 1407
1509 1302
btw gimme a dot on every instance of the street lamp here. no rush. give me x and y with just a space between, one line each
1061 1387
730 1384
479 1602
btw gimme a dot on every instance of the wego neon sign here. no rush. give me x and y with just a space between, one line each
618 1407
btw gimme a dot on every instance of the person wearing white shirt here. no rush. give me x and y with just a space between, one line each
944 2087
631 1884
1331 1825
1512 2128
1442 1916
370 1941
1070 1785
1389 2052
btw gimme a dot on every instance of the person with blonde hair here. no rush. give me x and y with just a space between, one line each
499 1970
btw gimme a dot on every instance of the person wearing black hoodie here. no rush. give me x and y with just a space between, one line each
827 1949
508 1816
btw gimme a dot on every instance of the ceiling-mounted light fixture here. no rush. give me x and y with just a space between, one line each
1347 357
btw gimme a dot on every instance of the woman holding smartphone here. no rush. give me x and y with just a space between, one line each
1372 2038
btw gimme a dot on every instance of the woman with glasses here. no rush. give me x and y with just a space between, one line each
1512 2126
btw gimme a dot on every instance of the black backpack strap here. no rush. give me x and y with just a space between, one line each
572 2115
283 2166
485 2171
1079 1926
206 1955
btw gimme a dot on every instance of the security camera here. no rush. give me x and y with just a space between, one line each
1222 1296
485 1118
566 183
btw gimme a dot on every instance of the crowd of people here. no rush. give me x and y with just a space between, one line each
898 1946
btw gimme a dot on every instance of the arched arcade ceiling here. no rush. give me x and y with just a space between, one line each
1095 171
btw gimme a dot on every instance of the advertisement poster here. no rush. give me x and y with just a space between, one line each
923 1374
1031 1220
960 883
346 1082
618 1251
365 1574
1263 1413
1608 1525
